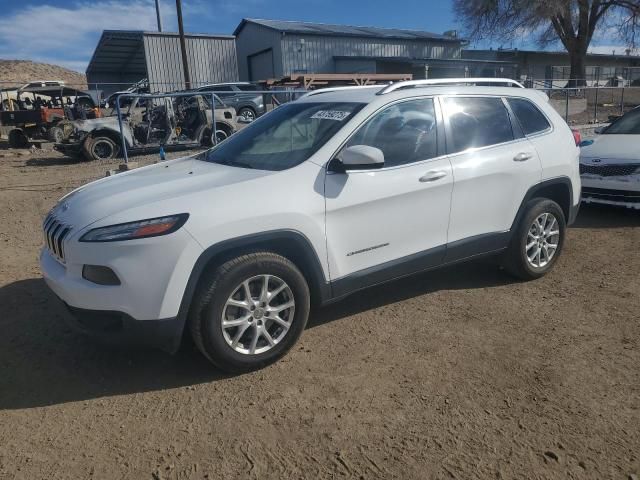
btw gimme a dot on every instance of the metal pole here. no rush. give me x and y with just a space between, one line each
213 119
566 106
622 101
595 106
183 47
158 15
124 143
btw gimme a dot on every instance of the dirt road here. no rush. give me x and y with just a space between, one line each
459 373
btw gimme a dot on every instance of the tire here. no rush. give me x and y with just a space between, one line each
55 135
519 261
100 148
225 284
248 113
221 135
18 139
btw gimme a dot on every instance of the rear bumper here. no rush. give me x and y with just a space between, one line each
118 328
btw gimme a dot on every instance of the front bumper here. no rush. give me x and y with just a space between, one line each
118 328
603 196
623 191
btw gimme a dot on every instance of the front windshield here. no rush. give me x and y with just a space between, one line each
285 137
628 124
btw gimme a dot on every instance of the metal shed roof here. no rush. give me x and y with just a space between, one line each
326 29
123 50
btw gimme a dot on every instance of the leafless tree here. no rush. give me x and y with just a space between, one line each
571 22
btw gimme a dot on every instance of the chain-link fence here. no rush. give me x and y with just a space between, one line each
581 106
54 107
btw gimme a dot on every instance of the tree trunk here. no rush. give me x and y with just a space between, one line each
578 74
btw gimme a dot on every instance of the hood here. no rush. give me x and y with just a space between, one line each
147 186
613 149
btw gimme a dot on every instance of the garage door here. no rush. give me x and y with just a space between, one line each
261 66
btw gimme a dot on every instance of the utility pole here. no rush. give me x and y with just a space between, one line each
183 47
158 15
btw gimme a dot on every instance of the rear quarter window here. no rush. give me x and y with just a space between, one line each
476 122
531 119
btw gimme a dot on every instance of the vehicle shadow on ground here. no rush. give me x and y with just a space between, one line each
43 362
53 161
605 216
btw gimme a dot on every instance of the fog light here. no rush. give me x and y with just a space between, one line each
100 275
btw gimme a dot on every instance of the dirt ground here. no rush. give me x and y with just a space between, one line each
460 373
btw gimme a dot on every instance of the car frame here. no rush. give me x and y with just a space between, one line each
101 139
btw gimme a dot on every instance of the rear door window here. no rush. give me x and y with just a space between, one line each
531 119
476 122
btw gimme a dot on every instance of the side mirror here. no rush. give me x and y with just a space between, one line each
361 157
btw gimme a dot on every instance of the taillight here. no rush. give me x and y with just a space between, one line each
577 137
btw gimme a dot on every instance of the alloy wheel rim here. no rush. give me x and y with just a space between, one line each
258 314
543 239
248 115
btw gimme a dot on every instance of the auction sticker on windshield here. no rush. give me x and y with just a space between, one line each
338 115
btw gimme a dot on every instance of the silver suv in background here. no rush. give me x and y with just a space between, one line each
242 96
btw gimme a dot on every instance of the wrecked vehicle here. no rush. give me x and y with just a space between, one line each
149 123
36 111
610 163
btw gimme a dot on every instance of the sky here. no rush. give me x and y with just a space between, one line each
65 32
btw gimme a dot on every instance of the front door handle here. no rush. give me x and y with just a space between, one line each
433 175
523 157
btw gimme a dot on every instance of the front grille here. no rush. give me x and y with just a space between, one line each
609 170
54 234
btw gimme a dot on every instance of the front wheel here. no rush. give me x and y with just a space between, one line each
100 148
247 113
538 240
250 311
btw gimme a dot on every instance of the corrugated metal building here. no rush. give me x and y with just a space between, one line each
272 49
125 57
551 69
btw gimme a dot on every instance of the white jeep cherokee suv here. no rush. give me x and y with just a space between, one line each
340 190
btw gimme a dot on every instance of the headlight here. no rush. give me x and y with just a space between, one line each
152 227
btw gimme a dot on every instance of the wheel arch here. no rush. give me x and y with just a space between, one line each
107 132
291 244
557 189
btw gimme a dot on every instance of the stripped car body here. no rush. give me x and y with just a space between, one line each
148 124
610 164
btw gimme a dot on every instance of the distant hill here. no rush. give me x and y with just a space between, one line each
18 72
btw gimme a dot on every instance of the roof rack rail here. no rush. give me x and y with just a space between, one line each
447 81
334 89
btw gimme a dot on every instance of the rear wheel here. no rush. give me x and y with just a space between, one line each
537 241
100 148
250 311
18 139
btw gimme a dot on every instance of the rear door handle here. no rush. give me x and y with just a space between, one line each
523 157
433 175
